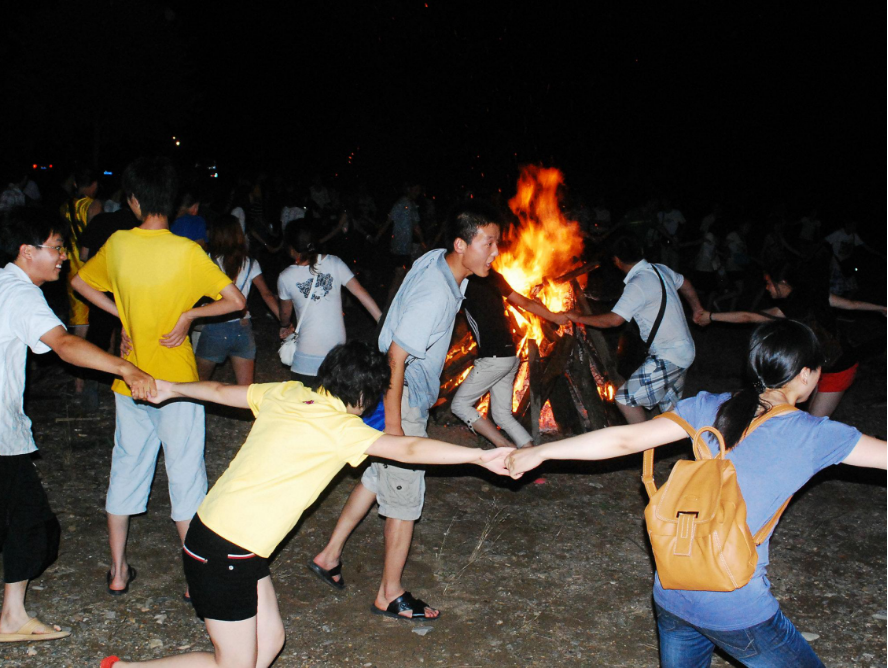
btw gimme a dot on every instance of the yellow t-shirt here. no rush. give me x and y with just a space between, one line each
78 308
301 439
155 277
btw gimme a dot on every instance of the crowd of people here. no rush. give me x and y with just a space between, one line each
171 273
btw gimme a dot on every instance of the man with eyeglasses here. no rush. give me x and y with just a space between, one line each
29 531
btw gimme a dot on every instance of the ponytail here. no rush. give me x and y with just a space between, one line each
778 351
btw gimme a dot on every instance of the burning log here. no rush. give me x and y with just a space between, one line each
576 273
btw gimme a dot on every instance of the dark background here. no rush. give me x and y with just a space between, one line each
755 103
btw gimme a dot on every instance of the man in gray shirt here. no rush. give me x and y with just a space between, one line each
416 337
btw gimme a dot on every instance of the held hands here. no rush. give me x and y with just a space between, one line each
495 460
176 336
702 318
141 385
525 459
560 318
286 331
165 391
126 343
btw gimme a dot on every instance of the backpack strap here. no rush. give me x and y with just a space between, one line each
763 533
647 467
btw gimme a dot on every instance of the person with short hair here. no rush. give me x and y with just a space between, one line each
29 532
772 463
300 441
659 381
416 337
156 278
188 223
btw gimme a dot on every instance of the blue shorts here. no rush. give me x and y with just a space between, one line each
220 340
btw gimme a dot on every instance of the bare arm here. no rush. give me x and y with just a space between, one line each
416 450
364 297
206 390
853 305
270 300
602 444
536 308
603 321
689 293
286 313
232 300
94 209
397 359
382 230
80 352
95 297
869 453
741 317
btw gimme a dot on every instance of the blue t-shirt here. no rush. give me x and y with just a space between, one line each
190 227
420 320
772 464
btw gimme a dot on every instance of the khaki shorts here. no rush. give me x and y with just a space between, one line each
400 491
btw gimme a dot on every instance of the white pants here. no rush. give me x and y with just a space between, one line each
496 375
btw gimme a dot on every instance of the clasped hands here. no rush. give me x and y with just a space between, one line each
511 461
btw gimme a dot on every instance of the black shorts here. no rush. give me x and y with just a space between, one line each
221 576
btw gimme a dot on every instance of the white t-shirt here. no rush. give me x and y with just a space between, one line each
843 244
641 300
671 220
24 318
249 270
707 257
323 327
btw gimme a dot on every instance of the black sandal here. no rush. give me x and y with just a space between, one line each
403 603
327 576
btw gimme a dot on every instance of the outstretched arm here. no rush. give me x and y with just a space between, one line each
738 317
205 390
536 308
603 321
364 297
416 450
853 305
81 352
869 453
602 444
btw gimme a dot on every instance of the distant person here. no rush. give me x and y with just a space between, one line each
844 243
804 301
29 531
188 223
156 277
659 381
415 337
226 337
312 288
772 464
13 195
299 442
497 361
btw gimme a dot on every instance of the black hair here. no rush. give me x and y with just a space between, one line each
27 226
189 195
355 373
778 351
468 217
627 249
300 237
84 175
153 182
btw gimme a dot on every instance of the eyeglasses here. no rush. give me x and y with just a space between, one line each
57 249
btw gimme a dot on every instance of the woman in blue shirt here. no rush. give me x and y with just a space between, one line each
771 464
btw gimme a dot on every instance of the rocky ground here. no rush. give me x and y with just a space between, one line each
525 574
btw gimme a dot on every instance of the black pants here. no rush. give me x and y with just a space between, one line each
29 532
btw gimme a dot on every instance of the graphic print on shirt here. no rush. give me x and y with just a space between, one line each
322 287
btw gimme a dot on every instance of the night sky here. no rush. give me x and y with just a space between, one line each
750 102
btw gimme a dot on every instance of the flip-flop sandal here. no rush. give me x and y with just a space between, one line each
327 576
120 592
403 603
31 631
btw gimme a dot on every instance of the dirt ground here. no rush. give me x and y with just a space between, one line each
525 574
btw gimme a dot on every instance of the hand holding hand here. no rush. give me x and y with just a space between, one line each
165 391
141 385
702 318
495 460
523 460
286 331
560 318
176 336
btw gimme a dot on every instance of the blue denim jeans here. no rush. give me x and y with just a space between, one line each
774 643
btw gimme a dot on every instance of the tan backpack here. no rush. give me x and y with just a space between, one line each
697 521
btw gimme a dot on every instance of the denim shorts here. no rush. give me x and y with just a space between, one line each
220 340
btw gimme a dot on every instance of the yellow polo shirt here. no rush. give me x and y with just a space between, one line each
301 439
155 276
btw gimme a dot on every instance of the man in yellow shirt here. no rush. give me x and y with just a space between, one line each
156 278
301 439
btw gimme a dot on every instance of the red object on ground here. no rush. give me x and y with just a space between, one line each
109 661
